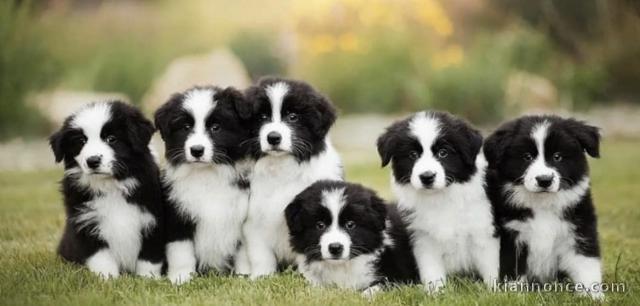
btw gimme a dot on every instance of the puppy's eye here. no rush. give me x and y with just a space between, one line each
215 127
81 140
527 157
264 117
442 153
557 157
292 117
350 225
320 225
111 139
414 155
186 127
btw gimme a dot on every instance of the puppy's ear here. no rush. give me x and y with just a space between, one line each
326 112
243 108
588 136
162 117
472 144
55 141
293 214
386 144
139 130
497 143
379 211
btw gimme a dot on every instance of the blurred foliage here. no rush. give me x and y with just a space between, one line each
258 53
24 66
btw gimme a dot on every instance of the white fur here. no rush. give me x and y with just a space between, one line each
182 261
334 201
148 269
452 226
90 120
356 273
276 94
116 221
104 264
199 103
207 193
539 166
426 129
275 181
550 239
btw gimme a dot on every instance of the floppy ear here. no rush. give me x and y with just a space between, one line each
292 215
139 131
588 136
473 143
241 105
386 143
163 115
379 209
55 141
496 144
326 112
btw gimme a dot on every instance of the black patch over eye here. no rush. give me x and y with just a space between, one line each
527 156
350 225
414 155
80 139
320 225
186 126
215 127
264 116
557 157
292 117
443 153
110 139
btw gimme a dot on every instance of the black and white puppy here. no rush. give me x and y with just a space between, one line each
205 179
439 180
111 190
539 185
290 122
343 234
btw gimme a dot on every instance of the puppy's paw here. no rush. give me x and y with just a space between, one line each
371 292
148 269
434 287
103 264
180 277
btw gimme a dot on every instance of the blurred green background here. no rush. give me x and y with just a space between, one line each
482 59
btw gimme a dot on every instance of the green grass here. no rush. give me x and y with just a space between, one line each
31 218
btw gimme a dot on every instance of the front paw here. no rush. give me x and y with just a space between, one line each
371 292
106 274
595 295
180 277
148 269
434 287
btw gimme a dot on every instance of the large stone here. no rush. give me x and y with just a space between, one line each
220 67
59 104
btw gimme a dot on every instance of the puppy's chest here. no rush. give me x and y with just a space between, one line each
119 223
357 273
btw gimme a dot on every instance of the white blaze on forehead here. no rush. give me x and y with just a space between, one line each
334 200
199 103
539 166
426 129
92 118
276 93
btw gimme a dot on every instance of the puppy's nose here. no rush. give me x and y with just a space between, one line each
93 162
427 178
197 151
336 249
544 181
274 138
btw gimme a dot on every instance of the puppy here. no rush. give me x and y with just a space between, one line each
343 234
290 121
539 184
205 180
111 191
438 178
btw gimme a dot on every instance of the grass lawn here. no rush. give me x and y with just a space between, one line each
31 219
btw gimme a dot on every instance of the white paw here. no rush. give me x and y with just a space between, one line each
180 277
371 292
148 269
242 269
103 264
107 273
594 295
434 287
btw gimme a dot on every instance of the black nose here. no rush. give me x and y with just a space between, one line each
274 138
427 178
544 181
336 249
93 162
197 151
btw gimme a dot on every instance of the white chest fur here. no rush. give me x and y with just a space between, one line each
209 197
119 223
357 273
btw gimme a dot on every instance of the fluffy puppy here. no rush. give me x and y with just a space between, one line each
111 191
205 179
290 121
539 185
343 234
438 178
